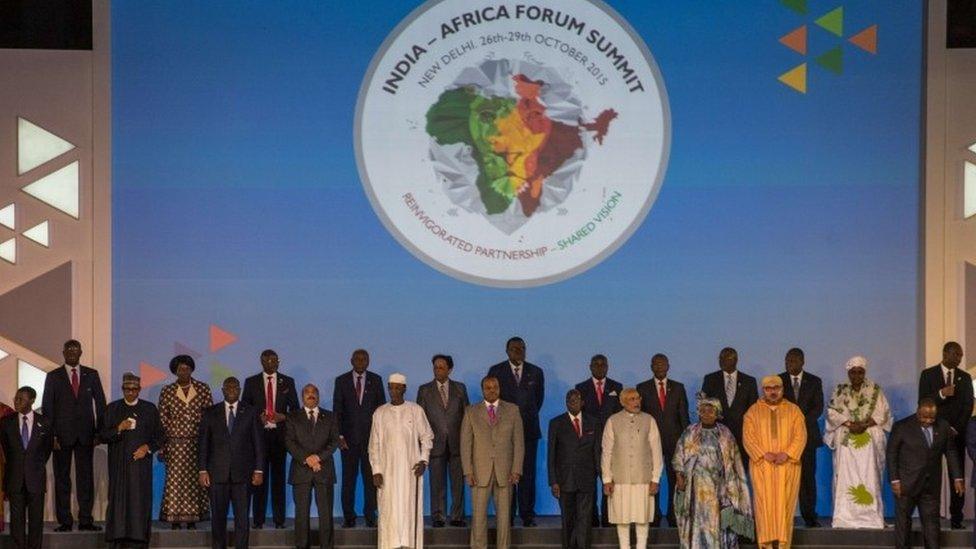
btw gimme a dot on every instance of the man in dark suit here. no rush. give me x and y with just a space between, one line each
914 456
230 457
665 399
273 396
74 403
524 385
736 391
601 399
356 395
27 439
444 402
572 458
806 391
952 389
312 437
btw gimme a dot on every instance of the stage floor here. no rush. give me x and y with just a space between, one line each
544 536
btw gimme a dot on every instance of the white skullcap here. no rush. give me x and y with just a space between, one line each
397 378
857 362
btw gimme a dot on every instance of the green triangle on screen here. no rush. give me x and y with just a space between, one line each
833 21
832 60
799 6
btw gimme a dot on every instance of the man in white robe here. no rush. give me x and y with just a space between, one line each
399 447
858 417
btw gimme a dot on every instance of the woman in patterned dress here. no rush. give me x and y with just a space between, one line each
181 406
711 497
4 412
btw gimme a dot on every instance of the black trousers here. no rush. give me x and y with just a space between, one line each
928 511
84 479
576 509
222 496
601 512
523 493
26 518
808 484
303 506
672 521
274 478
956 502
442 468
355 460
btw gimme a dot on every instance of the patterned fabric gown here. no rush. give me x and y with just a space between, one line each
184 500
714 508
4 412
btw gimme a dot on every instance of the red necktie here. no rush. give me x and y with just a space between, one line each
491 414
661 395
269 407
576 425
359 389
599 392
74 381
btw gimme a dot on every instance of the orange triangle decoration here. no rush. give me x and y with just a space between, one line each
151 375
220 338
796 40
796 78
867 39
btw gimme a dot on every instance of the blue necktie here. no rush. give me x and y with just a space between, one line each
230 419
928 435
25 434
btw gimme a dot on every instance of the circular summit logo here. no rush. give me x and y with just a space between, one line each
513 144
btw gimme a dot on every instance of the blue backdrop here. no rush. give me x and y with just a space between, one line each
785 219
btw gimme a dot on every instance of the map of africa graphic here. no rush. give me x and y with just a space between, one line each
521 128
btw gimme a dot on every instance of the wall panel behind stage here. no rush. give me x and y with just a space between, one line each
785 218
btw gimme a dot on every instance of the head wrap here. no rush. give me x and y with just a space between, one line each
397 378
130 380
772 381
857 362
704 400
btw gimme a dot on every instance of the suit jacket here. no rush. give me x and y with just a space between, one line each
75 420
304 439
486 448
527 394
573 461
956 409
810 401
445 422
356 420
911 461
26 467
971 446
231 456
611 399
746 394
672 420
286 395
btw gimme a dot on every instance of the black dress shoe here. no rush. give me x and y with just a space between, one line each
438 524
459 523
173 526
813 524
596 523
280 526
956 525
63 528
89 528
349 523
191 526
528 523
258 526
370 523
606 524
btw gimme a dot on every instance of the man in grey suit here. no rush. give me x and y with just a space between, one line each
492 450
444 401
312 436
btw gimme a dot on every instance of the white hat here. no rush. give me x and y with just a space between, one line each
397 378
857 362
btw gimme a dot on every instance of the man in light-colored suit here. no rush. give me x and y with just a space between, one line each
492 450
444 401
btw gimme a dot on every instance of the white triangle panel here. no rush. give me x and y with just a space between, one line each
8 217
3 354
969 190
39 233
31 376
8 251
35 146
972 148
59 189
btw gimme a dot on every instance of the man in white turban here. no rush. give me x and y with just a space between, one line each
399 447
858 417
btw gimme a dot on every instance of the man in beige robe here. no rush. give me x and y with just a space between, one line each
774 436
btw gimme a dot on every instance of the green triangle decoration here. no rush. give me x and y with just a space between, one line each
833 21
799 6
832 60
218 373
